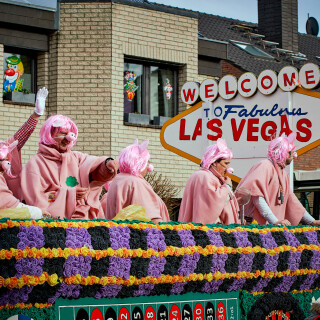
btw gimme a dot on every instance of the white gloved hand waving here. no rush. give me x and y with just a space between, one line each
41 101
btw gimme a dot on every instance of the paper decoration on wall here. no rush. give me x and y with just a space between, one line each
168 89
12 75
130 86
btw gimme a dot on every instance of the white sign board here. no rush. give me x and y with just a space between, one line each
247 124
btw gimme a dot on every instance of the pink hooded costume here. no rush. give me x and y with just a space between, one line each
49 179
268 180
129 187
207 197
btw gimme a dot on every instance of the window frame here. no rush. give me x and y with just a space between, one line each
146 86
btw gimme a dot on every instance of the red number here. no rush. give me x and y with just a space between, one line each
198 312
124 314
150 314
221 311
175 313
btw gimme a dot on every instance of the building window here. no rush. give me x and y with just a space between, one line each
249 48
150 89
19 72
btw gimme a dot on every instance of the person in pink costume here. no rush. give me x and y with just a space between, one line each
65 183
208 195
272 200
11 164
130 187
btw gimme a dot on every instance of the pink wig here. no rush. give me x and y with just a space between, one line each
279 148
56 124
134 158
216 152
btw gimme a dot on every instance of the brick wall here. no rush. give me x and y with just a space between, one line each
309 160
229 68
80 73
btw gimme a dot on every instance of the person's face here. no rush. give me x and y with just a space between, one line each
289 157
61 142
222 166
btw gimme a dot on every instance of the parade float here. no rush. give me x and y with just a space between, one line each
132 270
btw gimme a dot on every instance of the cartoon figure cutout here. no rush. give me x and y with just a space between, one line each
130 86
12 75
168 89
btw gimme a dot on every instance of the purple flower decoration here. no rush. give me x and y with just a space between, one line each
312 237
268 241
143 289
15 296
78 238
215 238
177 287
292 240
262 283
77 265
242 239
119 237
29 266
66 291
271 262
285 284
155 239
237 285
156 266
109 291
315 261
294 260
212 286
188 264
309 281
218 262
245 262
30 237
187 238
119 267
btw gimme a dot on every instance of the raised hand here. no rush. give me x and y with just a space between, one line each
41 101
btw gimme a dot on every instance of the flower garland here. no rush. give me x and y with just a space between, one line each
41 261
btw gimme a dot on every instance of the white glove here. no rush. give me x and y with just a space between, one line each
41 101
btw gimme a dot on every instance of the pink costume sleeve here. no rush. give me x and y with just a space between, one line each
101 173
204 198
7 199
23 134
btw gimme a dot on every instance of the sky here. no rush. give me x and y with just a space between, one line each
246 10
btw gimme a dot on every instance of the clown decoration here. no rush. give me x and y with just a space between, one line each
168 89
130 86
12 76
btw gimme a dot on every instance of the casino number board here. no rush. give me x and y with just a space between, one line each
206 307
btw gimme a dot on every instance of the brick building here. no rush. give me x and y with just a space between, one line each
83 50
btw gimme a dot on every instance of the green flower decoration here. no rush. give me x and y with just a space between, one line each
72 181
